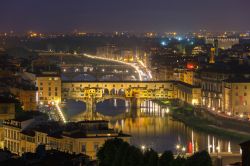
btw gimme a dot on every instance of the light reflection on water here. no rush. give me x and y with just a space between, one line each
160 132
165 133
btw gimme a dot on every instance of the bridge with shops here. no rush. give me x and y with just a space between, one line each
133 92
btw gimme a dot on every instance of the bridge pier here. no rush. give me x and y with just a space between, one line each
91 107
135 107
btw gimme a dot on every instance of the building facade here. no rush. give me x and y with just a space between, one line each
223 43
49 88
236 93
84 137
188 93
27 97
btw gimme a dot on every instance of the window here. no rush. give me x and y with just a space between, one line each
49 93
41 83
245 87
236 94
245 94
41 88
55 88
83 150
236 87
49 88
96 147
56 94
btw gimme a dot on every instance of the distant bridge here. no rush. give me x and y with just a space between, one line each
132 91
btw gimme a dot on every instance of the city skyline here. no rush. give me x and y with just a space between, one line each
140 16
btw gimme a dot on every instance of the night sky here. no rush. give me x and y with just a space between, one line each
124 15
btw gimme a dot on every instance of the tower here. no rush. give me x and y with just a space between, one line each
212 52
216 46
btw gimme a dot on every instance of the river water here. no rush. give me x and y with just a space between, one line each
158 130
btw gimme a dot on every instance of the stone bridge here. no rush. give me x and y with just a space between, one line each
133 92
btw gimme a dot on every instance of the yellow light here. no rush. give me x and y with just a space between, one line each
60 112
167 111
143 147
194 101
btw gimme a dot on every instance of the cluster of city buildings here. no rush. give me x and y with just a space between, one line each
216 82
222 81
22 135
23 128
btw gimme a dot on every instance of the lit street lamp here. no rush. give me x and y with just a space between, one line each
143 148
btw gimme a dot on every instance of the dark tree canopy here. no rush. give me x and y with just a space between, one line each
116 152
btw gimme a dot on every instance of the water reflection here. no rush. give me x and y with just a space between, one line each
165 133
158 131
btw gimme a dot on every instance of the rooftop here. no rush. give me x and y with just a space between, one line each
83 129
186 84
232 68
7 99
237 80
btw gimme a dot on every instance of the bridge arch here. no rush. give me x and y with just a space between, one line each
105 91
113 91
121 92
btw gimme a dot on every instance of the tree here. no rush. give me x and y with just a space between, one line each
41 151
166 159
179 161
150 158
122 152
200 158
108 151
134 157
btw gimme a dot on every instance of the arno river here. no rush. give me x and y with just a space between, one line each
157 131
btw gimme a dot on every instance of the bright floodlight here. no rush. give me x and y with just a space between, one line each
143 147
163 43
